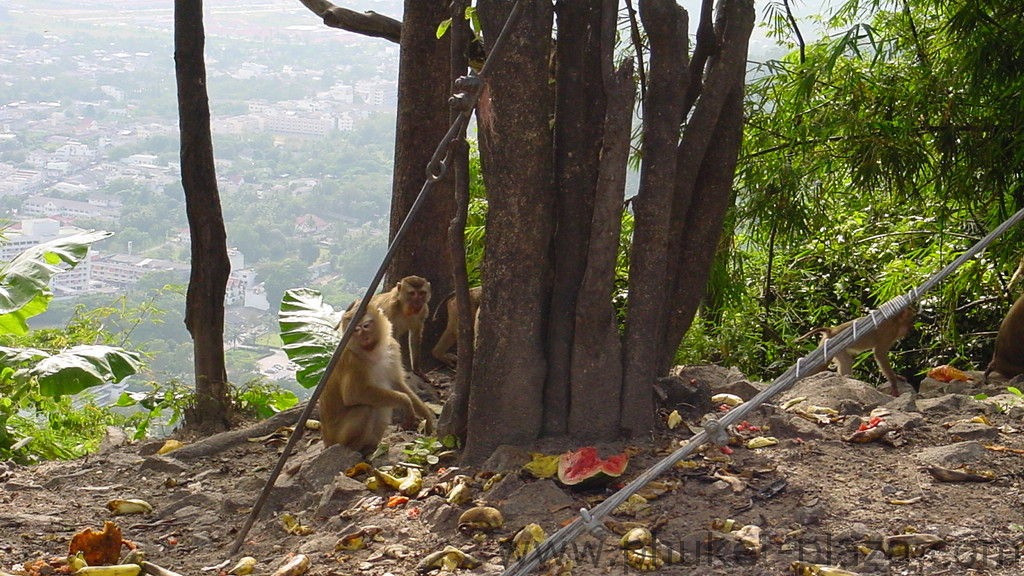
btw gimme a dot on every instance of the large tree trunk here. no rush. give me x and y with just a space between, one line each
204 302
549 357
423 91
510 367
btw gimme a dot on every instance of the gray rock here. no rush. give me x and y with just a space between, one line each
952 455
506 459
187 506
339 495
847 395
113 438
716 377
950 403
787 426
163 464
324 466
973 431
538 501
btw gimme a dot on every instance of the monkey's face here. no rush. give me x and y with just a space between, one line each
414 297
365 333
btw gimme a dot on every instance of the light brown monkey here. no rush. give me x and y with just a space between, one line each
407 307
367 383
879 342
1008 357
451 330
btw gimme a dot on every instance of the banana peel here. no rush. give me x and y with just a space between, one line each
292 525
111 570
644 559
526 540
244 566
961 475
448 559
808 569
412 483
542 465
484 518
294 566
119 506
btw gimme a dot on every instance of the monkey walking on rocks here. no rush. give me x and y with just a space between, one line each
879 342
366 385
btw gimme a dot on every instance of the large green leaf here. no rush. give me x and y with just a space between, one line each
25 281
307 330
81 367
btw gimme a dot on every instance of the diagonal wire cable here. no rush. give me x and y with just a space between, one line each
715 431
464 101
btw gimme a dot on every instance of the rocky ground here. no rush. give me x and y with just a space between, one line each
939 492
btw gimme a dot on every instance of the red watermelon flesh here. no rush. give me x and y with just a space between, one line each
585 468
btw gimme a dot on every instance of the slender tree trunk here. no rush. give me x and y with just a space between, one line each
597 350
507 391
647 324
707 158
423 90
579 119
204 301
455 416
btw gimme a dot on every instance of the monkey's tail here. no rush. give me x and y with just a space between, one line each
442 304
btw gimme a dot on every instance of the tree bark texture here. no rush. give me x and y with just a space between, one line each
455 415
424 82
549 357
204 301
579 113
367 23
647 323
707 187
510 366
596 369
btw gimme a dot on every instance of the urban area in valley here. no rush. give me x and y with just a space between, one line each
303 124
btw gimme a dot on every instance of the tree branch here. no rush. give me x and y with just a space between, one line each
367 23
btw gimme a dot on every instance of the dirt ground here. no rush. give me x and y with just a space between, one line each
814 497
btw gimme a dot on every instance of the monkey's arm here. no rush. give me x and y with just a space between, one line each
416 338
419 408
365 394
882 359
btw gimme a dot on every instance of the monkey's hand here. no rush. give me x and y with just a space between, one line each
429 425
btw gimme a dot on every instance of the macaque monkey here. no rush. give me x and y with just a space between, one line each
407 308
366 384
451 331
880 342
1008 357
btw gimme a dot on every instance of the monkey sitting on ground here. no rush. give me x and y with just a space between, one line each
880 342
1008 357
407 308
451 330
367 383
